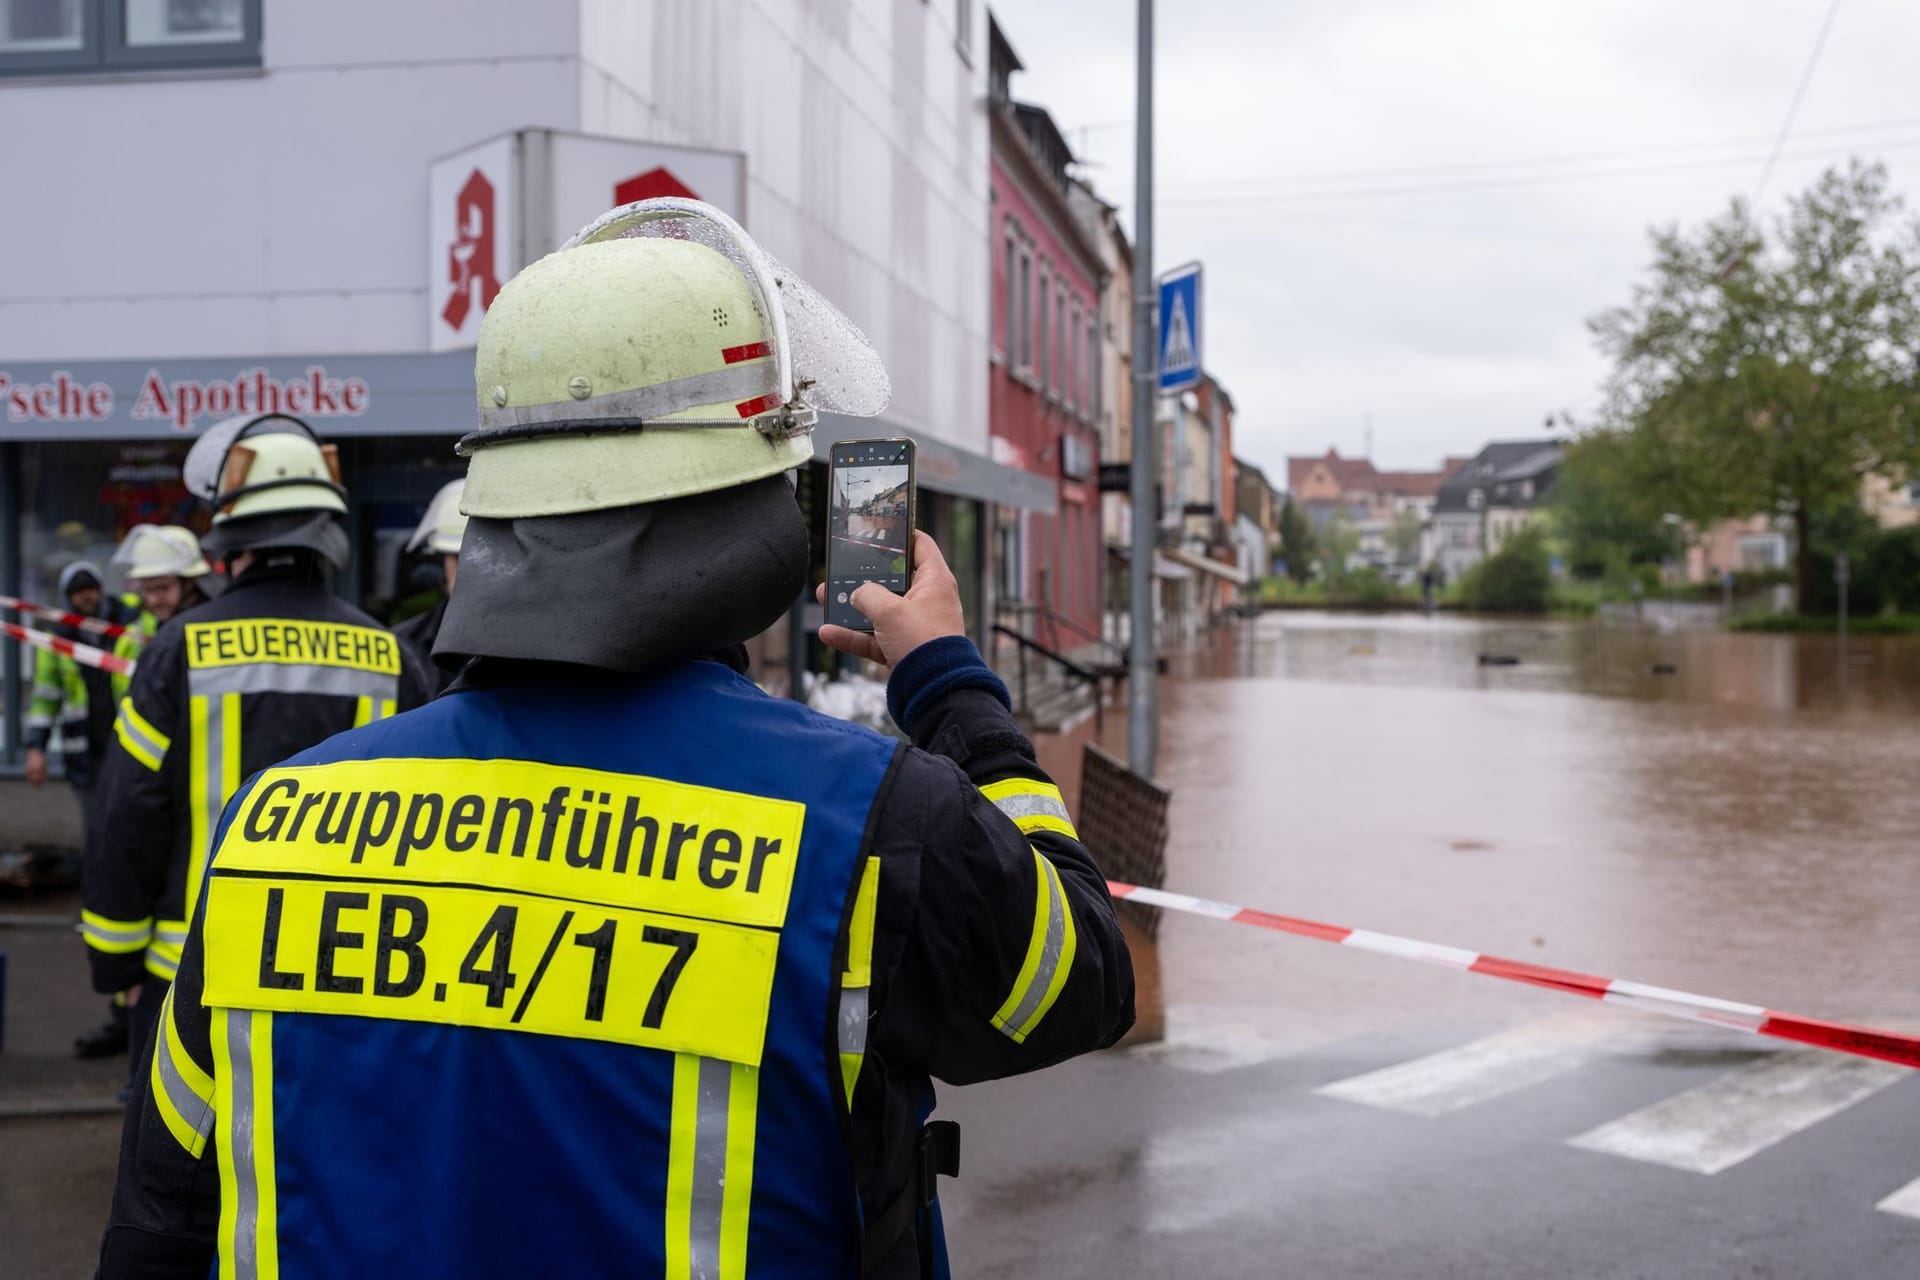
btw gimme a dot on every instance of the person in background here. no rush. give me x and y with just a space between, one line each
79 699
274 665
440 532
164 564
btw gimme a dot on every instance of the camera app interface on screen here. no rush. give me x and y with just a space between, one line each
872 518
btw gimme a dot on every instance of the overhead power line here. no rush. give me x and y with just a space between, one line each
1322 197
1468 168
1793 109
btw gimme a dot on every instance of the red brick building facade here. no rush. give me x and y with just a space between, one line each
1044 376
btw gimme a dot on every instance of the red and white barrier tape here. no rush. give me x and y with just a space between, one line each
85 654
1751 1018
80 621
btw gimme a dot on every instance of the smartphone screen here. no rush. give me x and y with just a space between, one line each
870 513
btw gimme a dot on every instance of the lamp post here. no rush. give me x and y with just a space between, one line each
1673 522
1143 702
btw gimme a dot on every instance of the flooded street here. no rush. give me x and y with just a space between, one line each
1741 825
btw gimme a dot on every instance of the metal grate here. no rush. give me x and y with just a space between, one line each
1123 823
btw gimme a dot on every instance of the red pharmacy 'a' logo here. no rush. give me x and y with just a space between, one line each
471 266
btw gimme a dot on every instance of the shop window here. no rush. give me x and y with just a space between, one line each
60 37
1008 582
75 502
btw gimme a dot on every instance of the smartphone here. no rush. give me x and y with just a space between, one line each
870 515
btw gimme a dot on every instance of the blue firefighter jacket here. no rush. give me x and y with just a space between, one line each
582 978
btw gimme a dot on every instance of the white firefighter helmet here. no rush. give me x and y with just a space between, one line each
160 551
441 528
659 353
264 464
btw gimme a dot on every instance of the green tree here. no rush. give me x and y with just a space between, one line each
1403 538
1770 372
1607 503
1296 541
1338 540
1518 578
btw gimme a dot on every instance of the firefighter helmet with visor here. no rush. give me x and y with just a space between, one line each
160 551
659 353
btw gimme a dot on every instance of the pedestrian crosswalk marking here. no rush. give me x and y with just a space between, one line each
1718 1124
1905 1201
1474 1072
1178 355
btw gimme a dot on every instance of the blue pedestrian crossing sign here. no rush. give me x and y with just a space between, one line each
1180 329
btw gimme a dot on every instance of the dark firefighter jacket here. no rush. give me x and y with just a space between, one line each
418 633
275 665
648 968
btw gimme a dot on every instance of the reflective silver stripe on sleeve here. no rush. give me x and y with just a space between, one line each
853 1020
131 727
75 743
1028 806
246 1191
1049 954
709 1169
48 693
195 1110
292 677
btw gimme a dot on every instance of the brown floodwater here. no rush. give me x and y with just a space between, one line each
1740 824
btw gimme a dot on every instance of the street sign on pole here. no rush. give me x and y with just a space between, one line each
1180 362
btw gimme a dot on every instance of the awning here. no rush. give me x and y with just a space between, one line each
1230 572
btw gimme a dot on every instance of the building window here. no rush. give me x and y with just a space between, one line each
1026 309
1007 285
48 37
1041 370
1067 338
1059 337
1093 371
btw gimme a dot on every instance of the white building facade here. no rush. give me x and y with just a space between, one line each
242 210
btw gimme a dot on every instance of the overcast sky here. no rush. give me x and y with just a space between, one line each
1408 208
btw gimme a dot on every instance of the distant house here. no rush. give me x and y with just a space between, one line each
1370 500
1487 500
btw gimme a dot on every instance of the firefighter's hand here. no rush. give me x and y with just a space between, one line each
901 624
131 996
36 766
